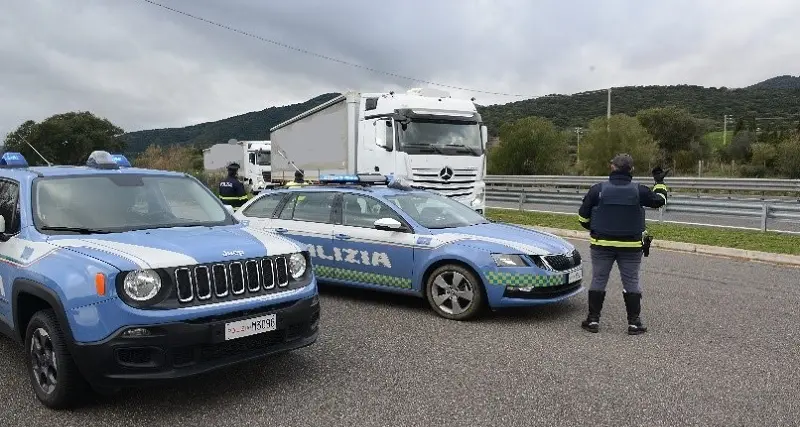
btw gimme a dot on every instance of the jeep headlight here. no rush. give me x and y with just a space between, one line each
142 285
297 265
504 260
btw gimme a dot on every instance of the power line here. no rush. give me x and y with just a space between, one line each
329 58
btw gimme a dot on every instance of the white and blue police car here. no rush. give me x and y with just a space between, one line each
364 231
113 276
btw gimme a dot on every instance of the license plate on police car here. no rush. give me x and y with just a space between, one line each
575 276
248 327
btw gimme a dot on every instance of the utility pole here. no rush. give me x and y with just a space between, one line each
578 132
725 119
608 112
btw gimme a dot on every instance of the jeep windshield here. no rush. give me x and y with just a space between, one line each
434 211
123 202
440 137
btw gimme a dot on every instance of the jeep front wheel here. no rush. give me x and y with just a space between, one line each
454 292
55 379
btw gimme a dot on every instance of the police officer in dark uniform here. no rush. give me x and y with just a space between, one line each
299 179
613 212
231 190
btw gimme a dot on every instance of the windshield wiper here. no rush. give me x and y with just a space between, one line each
81 230
433 148
470 149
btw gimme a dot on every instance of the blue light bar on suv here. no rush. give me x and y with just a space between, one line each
121 160
12 159
101 160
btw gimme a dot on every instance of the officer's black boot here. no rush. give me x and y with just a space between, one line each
633 307
592 322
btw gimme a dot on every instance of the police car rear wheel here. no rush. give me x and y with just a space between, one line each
55 379
454 292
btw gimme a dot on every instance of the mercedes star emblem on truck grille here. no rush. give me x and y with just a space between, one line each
446 173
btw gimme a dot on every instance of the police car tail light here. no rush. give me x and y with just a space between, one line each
297 265
142 285
504 260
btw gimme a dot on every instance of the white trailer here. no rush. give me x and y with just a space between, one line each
423 135
218 156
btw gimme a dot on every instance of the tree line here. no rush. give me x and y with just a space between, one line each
669 136
666 136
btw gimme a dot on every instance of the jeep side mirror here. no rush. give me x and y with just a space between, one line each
389 224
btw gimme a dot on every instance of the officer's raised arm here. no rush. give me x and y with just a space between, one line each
657 197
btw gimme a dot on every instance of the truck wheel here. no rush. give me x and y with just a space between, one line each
55 379
454 292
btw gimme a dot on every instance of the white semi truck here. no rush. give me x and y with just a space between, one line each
254 159
425 136
257 165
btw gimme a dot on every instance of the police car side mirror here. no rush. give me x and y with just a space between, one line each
389 224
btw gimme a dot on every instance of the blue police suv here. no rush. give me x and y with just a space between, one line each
114 276
365 232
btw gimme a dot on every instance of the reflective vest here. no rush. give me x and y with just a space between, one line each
618 213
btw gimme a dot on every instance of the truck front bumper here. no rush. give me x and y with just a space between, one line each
187 348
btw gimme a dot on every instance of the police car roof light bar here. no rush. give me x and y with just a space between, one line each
12 159
362 179
121 160
101 160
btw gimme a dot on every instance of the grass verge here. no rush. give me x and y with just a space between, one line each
726 237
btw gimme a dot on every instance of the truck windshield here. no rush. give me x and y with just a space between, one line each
123 202
440 137
263 158
434 211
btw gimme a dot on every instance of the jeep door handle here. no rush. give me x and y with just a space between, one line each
342 236
281 230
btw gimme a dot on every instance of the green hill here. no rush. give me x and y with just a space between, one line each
780 82
248 126
709 103
778 97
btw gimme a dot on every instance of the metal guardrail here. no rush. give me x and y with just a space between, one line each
787 186
742 207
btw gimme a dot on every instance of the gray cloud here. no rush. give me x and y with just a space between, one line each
143 67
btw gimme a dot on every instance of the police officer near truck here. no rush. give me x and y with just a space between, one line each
231 190
299 179
613 212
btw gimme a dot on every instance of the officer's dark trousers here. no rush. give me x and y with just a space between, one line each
628 263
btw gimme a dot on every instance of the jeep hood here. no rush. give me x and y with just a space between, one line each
172 247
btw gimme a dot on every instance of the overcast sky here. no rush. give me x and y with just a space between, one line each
144 67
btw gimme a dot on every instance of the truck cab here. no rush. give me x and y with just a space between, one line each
429 138
258 165
425 136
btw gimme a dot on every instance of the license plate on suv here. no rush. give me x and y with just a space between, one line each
252 326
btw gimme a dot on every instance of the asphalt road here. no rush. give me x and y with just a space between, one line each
723 350
714 220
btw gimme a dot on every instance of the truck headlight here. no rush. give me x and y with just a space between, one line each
504 260
297 265
142 285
